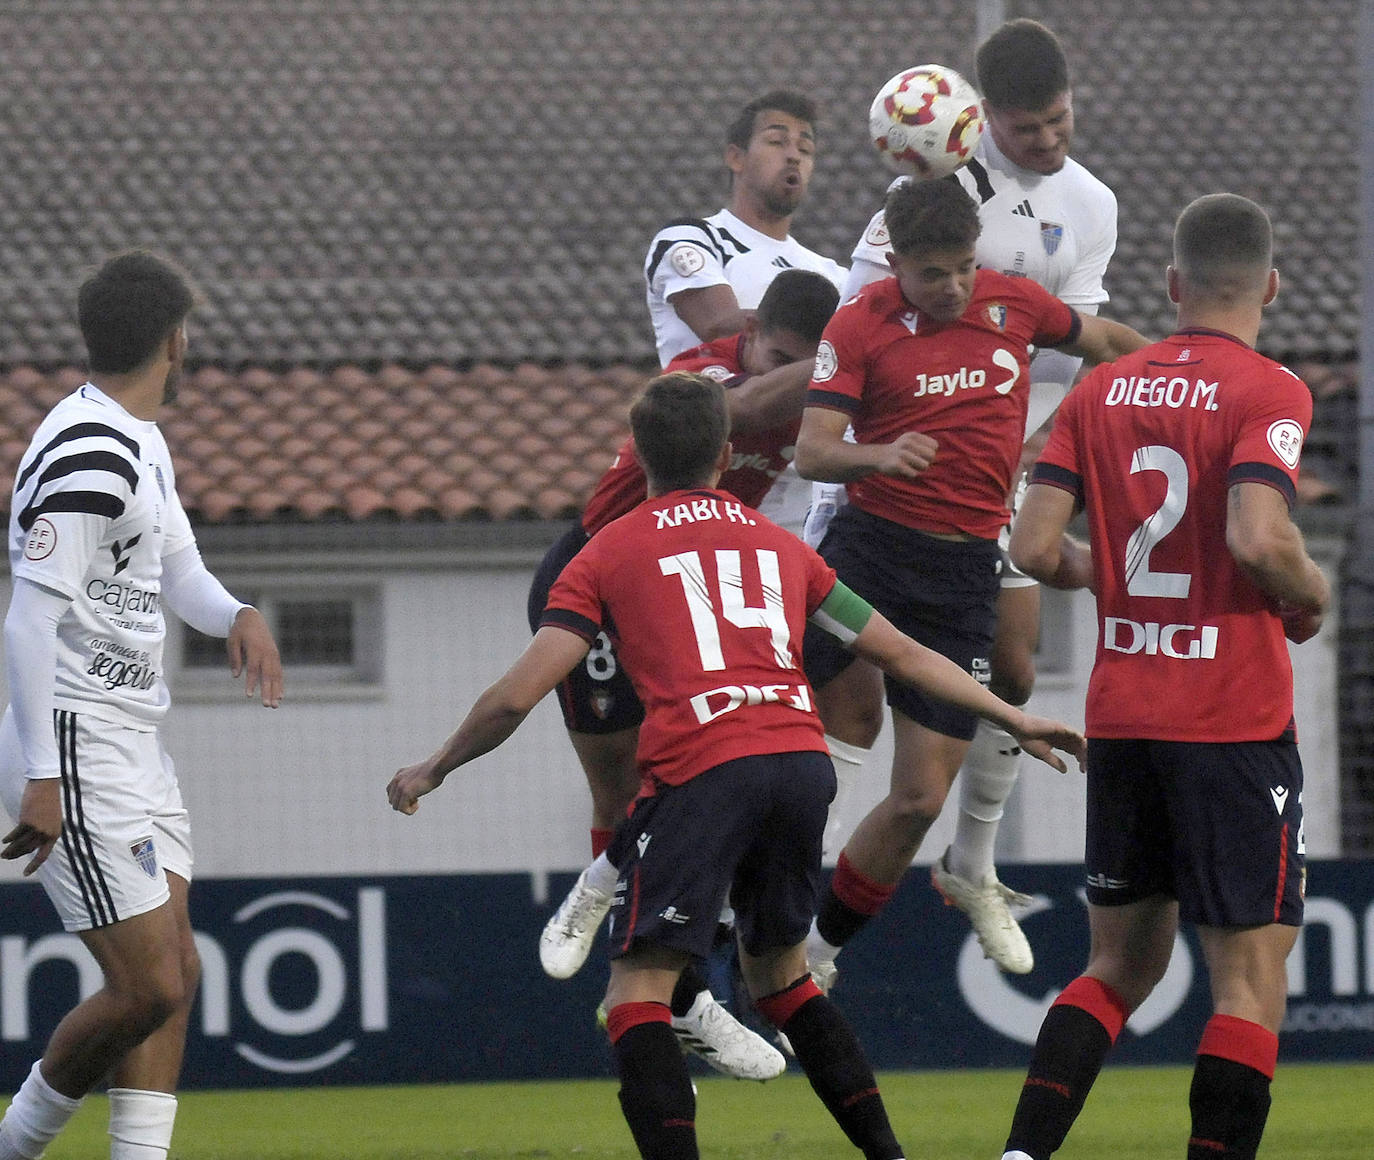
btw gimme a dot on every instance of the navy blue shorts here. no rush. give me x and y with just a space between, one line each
941 592
749 830
1217 826
597 696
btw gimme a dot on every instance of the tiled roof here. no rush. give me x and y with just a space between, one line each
424 181
438 444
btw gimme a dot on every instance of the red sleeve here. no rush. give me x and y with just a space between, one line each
820 579
1056 322
1059 464
1269 444
837 382
575 599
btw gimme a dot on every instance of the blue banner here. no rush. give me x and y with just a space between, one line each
428 979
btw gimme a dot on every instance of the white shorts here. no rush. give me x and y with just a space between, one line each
123 823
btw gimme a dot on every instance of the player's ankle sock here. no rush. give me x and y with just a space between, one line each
35 1116
986 779
1229 1098
690 984
601 875
829 1053
848 760
850 901
600 840
1075 1037
655 1088
141 1124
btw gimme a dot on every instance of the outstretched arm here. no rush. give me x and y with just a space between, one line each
771 399
496 714
877 640
1102 340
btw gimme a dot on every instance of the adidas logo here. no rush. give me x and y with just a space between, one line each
782 262
1024 209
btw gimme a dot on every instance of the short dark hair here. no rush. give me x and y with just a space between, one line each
923 216
679 423
794 104
1224 246
1022 66
801 301
128 307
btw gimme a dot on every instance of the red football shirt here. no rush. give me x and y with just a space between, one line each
966 383
1188 648
707 603
759 456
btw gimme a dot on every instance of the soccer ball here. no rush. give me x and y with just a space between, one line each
926 121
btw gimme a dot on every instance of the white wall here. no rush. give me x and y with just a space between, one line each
301 790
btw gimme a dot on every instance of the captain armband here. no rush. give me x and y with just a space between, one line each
843 614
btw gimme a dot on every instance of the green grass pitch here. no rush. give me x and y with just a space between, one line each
1321 1112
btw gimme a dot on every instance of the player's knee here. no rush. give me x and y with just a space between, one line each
1015 682
1132 976
916 807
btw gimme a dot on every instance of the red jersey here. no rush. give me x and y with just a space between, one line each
759 456
1188 648
965 383
707 603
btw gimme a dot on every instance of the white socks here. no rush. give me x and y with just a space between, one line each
848 760
985 782
34 1117
601 875
141 1124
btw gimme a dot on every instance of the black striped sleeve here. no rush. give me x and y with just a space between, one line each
1263 473
573 622
701 235
71 434
94 503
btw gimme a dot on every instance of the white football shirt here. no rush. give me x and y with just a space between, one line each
693 253
94 512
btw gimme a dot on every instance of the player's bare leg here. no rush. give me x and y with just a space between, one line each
824 1045
965 874
1130 951
608 760
144 986
142 1085
851 708
883 844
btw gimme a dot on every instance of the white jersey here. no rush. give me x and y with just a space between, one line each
1058 229
693 253
94 512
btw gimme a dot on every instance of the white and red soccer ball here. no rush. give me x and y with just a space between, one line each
926 121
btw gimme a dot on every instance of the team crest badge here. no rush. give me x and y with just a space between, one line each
145 856
1051 234
997 315
601 703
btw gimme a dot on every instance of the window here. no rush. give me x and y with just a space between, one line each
328 639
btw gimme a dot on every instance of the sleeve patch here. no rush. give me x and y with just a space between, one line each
827 363
1285 437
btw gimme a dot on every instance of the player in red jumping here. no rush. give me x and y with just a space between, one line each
708 601
1185 458
931 370
766 369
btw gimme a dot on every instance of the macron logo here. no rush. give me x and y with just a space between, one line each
1280 796
643 843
